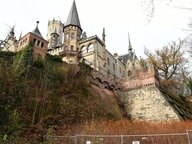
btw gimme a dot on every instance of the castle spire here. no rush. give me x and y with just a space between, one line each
20 36
36 30
73 18
11 34
103 35
130 46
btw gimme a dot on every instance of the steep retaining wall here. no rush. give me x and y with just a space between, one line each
148 103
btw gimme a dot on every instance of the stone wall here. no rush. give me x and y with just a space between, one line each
148 103
141 78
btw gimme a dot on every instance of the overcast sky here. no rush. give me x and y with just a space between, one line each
117 16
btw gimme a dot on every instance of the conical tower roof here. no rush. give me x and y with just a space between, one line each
36 31
73 18
130 48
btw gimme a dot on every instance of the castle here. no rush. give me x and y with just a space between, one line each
73 45
138 79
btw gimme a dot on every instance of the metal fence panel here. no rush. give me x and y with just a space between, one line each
82 139
174 138
156 139
60 139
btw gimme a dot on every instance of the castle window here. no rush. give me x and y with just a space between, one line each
67 36
90 48
108 72
72 35
108 61
104 64
72 48
78 37
120 69
129 73
38 42
83 50
34 41
113 67
42 44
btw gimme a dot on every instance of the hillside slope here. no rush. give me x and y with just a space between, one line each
35 96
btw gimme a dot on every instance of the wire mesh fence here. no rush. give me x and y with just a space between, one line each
173 138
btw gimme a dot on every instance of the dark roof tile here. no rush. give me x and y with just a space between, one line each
73 18
36 31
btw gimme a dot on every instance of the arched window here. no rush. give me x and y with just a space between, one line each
66 36
72 48
83 50
38 42
129 73
73 35
42 44
90 48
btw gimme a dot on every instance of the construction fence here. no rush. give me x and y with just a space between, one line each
173 138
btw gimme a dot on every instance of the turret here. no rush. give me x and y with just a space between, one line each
53 42
36 31
39 43
103 35
129 46
55 28
11 35
72 34
132 62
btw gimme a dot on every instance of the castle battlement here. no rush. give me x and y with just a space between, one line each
54 21
141 79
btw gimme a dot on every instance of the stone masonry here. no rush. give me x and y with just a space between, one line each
148 103
134 77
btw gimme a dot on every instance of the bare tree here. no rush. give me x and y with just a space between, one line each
189 38
150 6
182 79
167 59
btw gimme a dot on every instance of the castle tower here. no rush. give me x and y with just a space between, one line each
54 40
39 43
11 35
72 33
132 63
55 32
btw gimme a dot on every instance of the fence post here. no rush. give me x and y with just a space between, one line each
75 139
188 136
45 137
121 139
